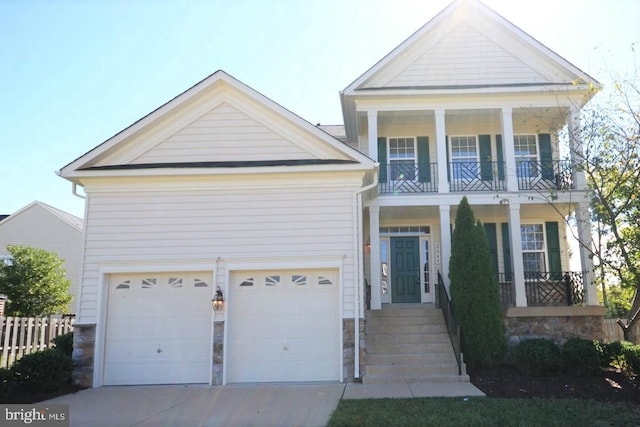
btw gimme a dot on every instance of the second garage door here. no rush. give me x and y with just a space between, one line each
284 326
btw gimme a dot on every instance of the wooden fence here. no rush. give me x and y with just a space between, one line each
613 332
25 335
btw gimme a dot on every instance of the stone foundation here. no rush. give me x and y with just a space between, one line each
218 352
555 323
348 349
84 341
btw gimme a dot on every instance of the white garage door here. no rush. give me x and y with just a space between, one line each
284 326
158 329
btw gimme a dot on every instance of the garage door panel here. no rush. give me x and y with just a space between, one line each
283 327
158 329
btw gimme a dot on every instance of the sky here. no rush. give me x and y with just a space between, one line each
73 73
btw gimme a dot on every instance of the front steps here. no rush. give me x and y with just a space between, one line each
409 343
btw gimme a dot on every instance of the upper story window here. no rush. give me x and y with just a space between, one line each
402 158
464 157
533 248
526 153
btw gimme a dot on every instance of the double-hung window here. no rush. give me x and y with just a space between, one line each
464 158
526 153
533 249
402 159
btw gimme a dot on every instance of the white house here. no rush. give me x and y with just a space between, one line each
42 226
302 228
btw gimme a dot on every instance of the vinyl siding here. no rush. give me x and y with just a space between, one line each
464 57
303 223
39 228
224 134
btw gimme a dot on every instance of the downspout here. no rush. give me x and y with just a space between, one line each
74 191
357 247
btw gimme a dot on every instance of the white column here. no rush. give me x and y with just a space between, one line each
374 235
372 131
576 149
516 254
441 152
585 237
445 242
510 172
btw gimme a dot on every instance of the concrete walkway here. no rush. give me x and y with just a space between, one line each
260 405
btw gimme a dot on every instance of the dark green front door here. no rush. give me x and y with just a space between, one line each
405 269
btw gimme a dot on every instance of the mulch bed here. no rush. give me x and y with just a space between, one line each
33 397
507 382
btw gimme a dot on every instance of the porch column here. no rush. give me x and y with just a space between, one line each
576 149
441 152
445 242
510 172
374 235
372 132
585 239
516 254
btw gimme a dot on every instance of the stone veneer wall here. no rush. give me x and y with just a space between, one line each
84 341
348 349
218 351
555 323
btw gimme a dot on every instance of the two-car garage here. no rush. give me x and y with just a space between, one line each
280 325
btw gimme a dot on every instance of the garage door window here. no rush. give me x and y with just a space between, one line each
272 280
299 280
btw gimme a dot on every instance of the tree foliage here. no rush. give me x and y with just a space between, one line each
34 282
611 162
474 291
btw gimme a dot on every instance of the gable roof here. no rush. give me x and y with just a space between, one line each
63 216
219 104
466 48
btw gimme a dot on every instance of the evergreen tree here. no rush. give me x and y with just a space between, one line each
474 291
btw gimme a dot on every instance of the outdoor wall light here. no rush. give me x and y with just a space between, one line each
218 300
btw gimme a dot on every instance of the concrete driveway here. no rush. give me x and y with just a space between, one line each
260 405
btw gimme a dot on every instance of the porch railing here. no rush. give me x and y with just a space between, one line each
444 303
545 288
409 178
476 176
534 175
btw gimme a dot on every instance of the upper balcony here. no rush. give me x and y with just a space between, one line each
467 176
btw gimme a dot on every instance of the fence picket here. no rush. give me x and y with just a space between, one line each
26 335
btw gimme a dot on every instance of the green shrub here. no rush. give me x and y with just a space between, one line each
7 382
64 343
623 355
582 357
536 357
46 370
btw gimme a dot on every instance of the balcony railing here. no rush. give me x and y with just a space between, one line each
476 176
544 288
534 175
409 178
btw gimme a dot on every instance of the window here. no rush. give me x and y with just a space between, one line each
402 159
533 255
526 153
464 158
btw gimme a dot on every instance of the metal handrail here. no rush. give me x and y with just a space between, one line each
453 328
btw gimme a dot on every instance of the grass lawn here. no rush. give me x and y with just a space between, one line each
483 411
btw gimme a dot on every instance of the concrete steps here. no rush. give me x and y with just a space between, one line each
409 344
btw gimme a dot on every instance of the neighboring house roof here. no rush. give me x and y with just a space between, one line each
2 217
466 48
219 123
70 219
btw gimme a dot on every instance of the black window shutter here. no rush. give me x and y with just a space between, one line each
424 165
553 250
490 229
546 156
486 165
382 158
446 147
500 157
506 249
